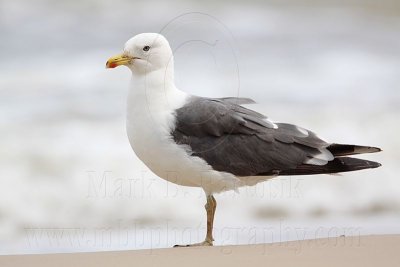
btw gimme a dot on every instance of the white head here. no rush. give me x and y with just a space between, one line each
145 53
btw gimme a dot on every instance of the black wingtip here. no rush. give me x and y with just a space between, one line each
339 150
373 164
366 149
338 165
373 149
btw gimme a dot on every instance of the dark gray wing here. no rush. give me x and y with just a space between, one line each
234 139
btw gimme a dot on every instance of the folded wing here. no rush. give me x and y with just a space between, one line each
237 140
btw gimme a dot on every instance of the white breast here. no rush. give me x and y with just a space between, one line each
150 120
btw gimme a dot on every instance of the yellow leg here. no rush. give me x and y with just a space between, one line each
210 206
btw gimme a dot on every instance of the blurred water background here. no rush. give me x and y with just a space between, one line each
69 180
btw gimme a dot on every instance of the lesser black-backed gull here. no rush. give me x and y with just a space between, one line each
215 143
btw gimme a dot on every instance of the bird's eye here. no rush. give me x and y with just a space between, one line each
146 48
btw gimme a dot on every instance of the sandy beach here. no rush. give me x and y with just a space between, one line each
344 251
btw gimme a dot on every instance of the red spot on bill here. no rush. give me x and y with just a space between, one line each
111 65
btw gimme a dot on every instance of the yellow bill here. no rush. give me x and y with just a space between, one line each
118 60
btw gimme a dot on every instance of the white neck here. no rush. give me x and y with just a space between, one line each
153 99
157 89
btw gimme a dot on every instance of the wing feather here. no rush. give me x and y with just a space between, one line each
234 139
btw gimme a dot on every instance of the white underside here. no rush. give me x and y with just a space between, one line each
150 120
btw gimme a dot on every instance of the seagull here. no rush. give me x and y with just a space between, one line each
216 144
